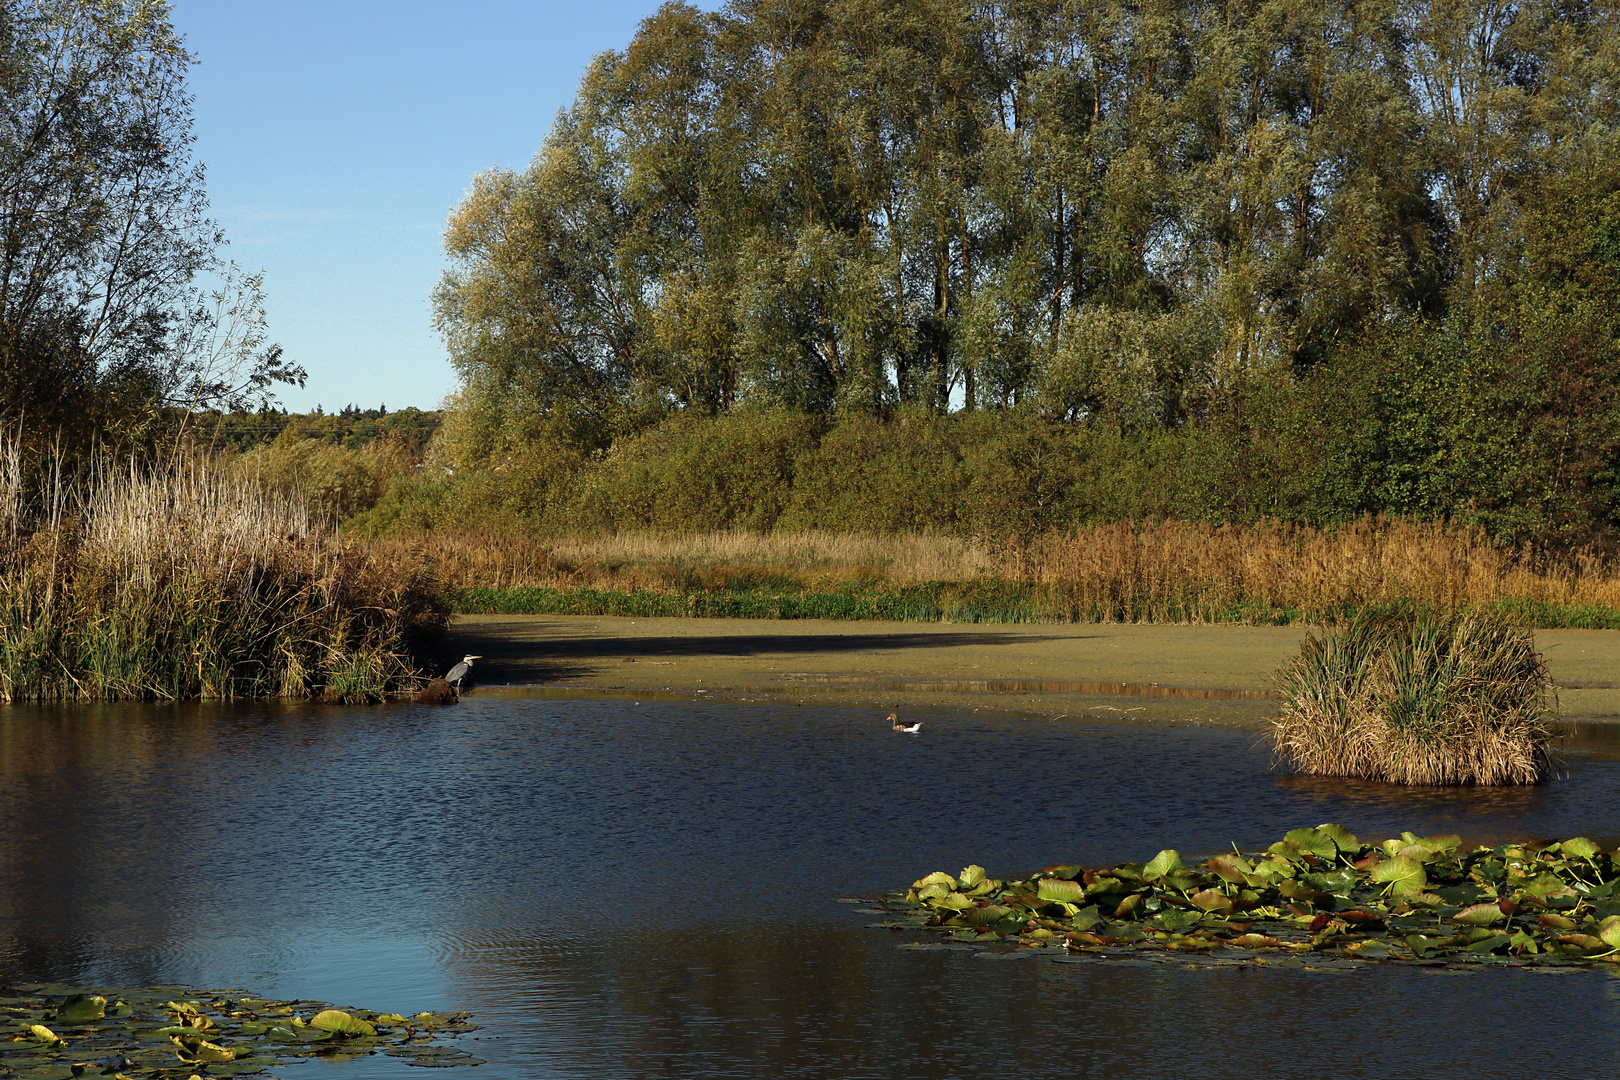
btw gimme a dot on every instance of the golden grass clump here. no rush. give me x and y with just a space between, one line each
1433 700
187 582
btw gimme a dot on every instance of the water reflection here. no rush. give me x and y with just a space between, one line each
648 890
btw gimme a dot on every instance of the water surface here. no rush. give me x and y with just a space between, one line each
622 889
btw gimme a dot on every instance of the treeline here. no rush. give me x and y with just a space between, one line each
1216 260
351 428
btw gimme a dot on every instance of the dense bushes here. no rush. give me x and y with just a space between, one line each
1397 436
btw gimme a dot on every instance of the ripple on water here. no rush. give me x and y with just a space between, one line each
648 890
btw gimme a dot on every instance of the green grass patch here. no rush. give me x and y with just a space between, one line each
987 601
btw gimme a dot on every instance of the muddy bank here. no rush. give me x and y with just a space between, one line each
1205 674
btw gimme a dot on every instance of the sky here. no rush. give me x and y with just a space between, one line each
338 136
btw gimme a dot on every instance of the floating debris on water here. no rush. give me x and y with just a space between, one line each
59 1032
1318 899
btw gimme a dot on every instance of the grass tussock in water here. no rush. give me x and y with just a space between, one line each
185 583
1435 700
1264 572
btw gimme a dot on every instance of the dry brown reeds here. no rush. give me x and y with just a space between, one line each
1126 572
1433 700
1180 571
186 582
628 561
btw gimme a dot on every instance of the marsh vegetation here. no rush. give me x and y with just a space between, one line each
1318 893
171 1030
182 581
1266 572
1436 699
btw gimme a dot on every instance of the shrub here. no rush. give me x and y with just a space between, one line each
874 476
334 482
1431 699
699 473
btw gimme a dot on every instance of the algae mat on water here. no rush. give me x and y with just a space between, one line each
1318 895
58 1032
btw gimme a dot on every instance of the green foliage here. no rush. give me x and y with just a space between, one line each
1312 263
115 308
352 428
696 473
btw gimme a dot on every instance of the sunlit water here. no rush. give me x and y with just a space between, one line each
623 890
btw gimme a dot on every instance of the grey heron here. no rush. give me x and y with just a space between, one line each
459 672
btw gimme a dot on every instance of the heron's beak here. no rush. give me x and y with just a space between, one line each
478 658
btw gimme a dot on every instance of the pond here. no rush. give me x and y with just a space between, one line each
622 888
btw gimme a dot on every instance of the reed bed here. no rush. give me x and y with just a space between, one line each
1433 700
630 561
187 583
1175 571
1127 572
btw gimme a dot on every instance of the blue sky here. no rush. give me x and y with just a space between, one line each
337 138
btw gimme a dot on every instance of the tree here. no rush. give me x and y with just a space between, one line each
103 219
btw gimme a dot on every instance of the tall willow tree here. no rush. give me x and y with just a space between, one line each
1112 211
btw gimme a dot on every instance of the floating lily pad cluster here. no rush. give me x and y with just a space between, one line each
57 1032
1316 891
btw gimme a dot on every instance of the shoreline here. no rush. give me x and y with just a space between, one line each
1198 673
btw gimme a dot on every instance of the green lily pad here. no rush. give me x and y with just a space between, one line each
1479 915
1315 841
1402 875
341 1023
1513 905
1161 864
1056 890
81 1009
1581 848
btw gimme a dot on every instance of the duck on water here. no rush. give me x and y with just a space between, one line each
896 725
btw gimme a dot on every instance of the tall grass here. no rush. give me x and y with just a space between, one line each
1436 700
1174 571
187 582
1151 572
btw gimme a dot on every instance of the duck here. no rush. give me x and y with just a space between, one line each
896 725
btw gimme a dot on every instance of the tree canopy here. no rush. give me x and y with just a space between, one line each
105 240
1107 208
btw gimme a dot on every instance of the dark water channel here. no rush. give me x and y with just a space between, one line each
623 890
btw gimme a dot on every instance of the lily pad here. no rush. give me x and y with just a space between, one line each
340 1023
172 1032
81 1009
1479 915
1514 905
1161 864
1059 891
1402 875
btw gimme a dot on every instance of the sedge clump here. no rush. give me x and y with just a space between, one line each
1432 699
